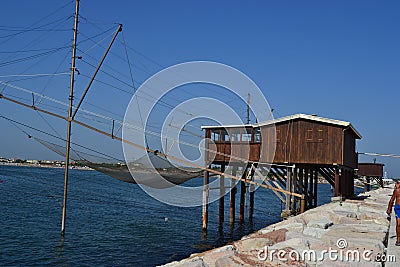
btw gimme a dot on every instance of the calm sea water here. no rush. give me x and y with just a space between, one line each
109 223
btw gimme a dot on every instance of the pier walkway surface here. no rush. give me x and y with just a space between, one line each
355 232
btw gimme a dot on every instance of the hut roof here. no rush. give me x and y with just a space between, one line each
294 117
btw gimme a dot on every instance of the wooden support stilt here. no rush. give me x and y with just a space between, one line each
315 188
349 183
242 196
221 197
294 189
345 183
351 176
205 201
252 190
306 191
312 192
352 180
302 204
242 200
288 188
232 197
342 183
251 211
352 183
300 176
337 182
368 184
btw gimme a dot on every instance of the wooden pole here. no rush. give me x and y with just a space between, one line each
232 197
348 183
306 191
251 211
315 188
242 200
252 191
97 70
248 108
295 188
344 182
311 194
221 196
302 204
300 176
288 188
337 182
71 99
242 196
205 201
148 149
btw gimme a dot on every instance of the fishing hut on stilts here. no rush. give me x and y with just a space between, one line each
286 155
307 148
371 172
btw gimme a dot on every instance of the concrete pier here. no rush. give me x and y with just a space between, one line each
391 248
354 232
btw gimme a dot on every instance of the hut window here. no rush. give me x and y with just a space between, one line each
215 135
225 136
320 137
257 135
315 136
235 135
246 136
278 136
309 136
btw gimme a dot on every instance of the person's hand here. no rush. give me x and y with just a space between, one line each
388 212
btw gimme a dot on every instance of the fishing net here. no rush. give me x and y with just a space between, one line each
138 173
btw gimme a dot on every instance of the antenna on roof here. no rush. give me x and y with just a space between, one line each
248 108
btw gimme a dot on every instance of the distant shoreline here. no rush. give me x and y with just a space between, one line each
44 166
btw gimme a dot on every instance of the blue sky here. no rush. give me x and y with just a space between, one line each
337 59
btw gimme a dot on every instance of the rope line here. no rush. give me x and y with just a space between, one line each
34 75
16 123
140 130
174 158
379 154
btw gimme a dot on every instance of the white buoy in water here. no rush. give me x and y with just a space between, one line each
166 219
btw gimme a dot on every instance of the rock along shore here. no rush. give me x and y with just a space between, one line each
333 234
48 166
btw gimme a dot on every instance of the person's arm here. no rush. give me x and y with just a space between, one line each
390 206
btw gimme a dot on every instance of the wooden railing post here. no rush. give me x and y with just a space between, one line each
302 204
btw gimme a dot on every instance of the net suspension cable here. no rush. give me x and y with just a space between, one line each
149 150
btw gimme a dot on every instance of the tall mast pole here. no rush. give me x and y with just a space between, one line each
71 99
248 109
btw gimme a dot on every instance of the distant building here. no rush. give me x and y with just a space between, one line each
47 162
32 161
17 160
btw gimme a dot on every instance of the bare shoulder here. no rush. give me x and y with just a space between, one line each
396 192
